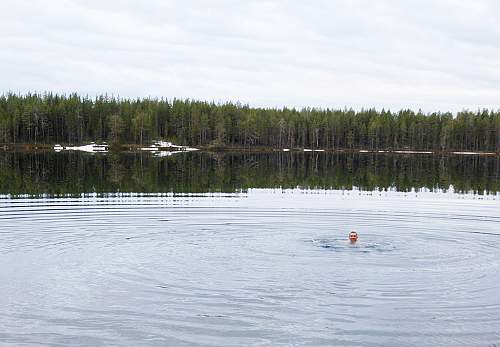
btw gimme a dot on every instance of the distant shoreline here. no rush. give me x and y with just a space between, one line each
68 119
261 149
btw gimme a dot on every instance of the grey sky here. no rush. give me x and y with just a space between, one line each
435 55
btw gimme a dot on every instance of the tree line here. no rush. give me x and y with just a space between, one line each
52 118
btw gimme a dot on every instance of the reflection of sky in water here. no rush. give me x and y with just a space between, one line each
265 267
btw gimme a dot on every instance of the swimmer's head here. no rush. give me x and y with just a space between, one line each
353 236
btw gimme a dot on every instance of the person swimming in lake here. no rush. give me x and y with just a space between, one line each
353 236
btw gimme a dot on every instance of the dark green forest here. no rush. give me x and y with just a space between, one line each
70 119
38 173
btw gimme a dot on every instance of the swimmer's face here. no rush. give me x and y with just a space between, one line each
353 236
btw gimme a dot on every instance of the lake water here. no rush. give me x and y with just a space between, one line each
249 250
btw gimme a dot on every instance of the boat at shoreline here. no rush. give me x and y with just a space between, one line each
160 145
90 148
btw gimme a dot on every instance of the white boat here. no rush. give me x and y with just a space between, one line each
91 148
58 148
161 145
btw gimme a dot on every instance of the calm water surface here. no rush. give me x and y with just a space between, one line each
225 264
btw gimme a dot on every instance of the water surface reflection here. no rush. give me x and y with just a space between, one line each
257 268
55 174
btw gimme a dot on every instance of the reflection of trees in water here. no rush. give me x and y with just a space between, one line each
116 169
74 173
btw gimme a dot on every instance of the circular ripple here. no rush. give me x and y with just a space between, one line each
343 245
189 271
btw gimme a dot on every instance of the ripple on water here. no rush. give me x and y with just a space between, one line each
344 245
237 274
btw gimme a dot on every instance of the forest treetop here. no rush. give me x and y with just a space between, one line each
58 118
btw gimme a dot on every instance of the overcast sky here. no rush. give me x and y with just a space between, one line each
429 54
